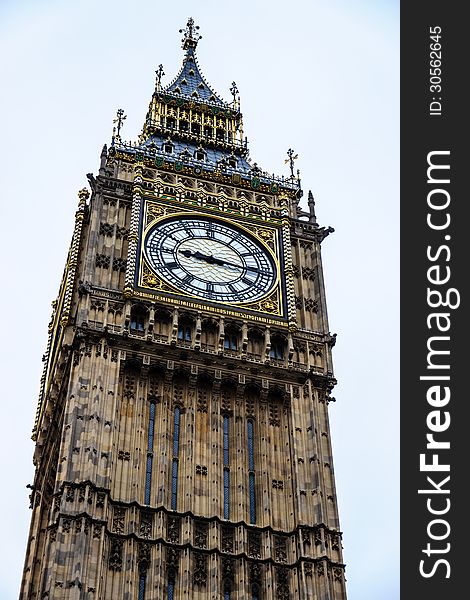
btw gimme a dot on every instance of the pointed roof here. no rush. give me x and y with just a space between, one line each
190 82
190 126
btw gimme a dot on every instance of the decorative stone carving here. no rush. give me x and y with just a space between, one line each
200 569
200 534
143 557
173 529
255 572
338 574
274 414
254 544
115 554
228 569
119 264
311 305
305 537
280 549
201 470
227 539
308 273
102 260
202 400
145 529
172 561
66 525
282 584
118 520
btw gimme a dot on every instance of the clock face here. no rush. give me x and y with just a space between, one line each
210 259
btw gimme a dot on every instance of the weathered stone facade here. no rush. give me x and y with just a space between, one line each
183 448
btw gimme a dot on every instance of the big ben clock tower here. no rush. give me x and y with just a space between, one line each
182 438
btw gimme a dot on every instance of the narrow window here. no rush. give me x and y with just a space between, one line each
142 582
171 589
251 472
199 155
277 351
168 148
255 592
227 585
226 469
174 466
230 342
137 322
148 471
184 333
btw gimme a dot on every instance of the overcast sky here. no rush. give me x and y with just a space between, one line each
318 76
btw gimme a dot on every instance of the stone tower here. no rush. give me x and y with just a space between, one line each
182 437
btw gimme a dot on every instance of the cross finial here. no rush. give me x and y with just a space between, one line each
234 92
191 35
159 72
120 118
290 160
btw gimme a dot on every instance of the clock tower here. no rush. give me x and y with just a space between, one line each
182 438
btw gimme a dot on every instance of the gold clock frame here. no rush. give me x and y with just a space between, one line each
142 282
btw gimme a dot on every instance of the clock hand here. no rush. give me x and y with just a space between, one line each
208 258
217 261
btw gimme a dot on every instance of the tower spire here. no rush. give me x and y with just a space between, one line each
190 35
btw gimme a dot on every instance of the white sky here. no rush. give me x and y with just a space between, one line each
315 75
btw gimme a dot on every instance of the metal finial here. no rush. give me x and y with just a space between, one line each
191 35
159 72
234 91
290 160
119 120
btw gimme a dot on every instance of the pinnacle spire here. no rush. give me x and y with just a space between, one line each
191 35
311 207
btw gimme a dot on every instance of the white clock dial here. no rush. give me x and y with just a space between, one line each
210 259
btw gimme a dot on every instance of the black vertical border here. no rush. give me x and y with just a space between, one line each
421 134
